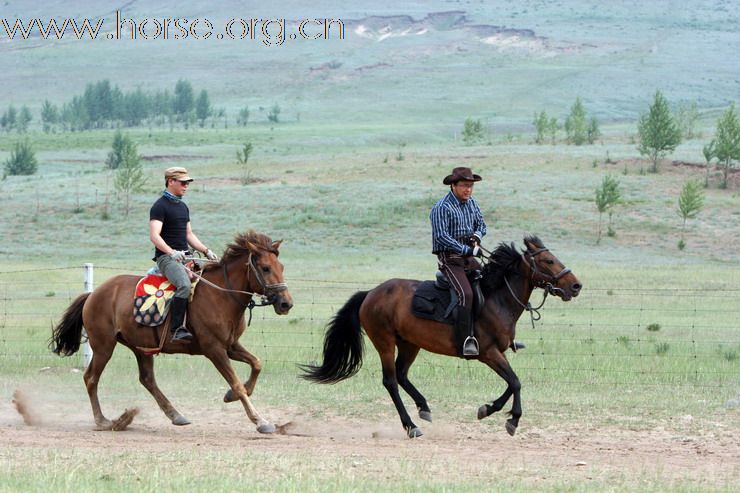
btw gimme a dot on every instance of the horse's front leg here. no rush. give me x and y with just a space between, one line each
498 362
220 360
237 352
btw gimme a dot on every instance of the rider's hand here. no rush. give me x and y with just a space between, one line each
477 252
211 256
177 255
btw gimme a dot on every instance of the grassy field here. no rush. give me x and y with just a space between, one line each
630 387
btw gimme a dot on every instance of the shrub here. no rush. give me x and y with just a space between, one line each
22 160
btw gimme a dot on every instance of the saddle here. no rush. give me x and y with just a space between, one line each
436 300
152 298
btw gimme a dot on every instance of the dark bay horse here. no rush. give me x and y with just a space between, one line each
509 277
249 266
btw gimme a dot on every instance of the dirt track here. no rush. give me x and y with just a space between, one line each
708 454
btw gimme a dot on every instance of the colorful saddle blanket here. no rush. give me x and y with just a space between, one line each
152 299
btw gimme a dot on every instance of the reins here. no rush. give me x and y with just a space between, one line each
266 299
547 285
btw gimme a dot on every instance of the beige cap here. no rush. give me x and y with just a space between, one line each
177 173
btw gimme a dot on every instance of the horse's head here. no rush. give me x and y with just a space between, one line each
266 275
547 272
264 272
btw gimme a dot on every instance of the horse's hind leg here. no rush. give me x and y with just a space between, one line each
220 360
146 377
237 352
100 358
406 355
386 350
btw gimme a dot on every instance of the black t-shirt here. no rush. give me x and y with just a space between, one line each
175 217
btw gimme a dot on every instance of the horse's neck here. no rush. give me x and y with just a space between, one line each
503 298
233 277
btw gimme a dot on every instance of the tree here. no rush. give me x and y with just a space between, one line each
203 107
274 115
541 126
552 129
24 118
242 157
121 148
593 132
49 115
686 117
658 131
727 142
575 124
708 151
130 175
690 203
607 196
183 102
243 117
9 118
22 160
472 131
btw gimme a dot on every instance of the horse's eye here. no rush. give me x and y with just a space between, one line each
265 269
549 262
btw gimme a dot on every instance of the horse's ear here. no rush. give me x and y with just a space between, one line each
276 244
252 247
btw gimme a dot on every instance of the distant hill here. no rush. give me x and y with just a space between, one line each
435 61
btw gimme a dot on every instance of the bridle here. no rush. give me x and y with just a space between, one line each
268 296
547 282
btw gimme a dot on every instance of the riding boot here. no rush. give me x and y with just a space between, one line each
177 322
465 327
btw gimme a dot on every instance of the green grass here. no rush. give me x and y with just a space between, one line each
329 182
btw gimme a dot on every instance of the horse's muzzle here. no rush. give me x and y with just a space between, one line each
282 303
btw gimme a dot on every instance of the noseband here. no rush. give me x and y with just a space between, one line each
540 279
269 290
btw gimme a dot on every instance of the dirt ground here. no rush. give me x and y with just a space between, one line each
684 450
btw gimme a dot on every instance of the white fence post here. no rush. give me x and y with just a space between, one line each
86 349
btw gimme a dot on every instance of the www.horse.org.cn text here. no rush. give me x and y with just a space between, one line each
271 32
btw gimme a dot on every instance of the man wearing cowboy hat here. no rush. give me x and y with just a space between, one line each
457 230
170 231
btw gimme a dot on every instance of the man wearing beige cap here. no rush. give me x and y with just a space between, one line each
170 231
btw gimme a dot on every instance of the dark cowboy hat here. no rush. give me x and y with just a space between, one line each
461 173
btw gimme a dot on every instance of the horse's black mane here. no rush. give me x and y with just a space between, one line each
504 261
240 247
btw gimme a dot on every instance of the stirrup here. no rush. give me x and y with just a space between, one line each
470 346
181 334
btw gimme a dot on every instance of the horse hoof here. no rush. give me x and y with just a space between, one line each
229 396
426 415
180 420
483 411
266 428
415 433
510 428
105 425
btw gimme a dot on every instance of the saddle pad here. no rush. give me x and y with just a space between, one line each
152 299
432 303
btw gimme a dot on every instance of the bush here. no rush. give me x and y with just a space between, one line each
22 160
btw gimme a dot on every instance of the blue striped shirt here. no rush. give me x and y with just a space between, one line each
452 219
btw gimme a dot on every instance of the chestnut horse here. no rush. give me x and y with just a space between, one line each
509 277
216 317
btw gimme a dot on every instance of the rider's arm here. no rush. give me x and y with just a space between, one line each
155 235
194 242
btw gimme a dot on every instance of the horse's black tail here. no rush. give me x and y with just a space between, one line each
343 345
66 337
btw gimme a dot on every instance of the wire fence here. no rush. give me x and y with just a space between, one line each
652 336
